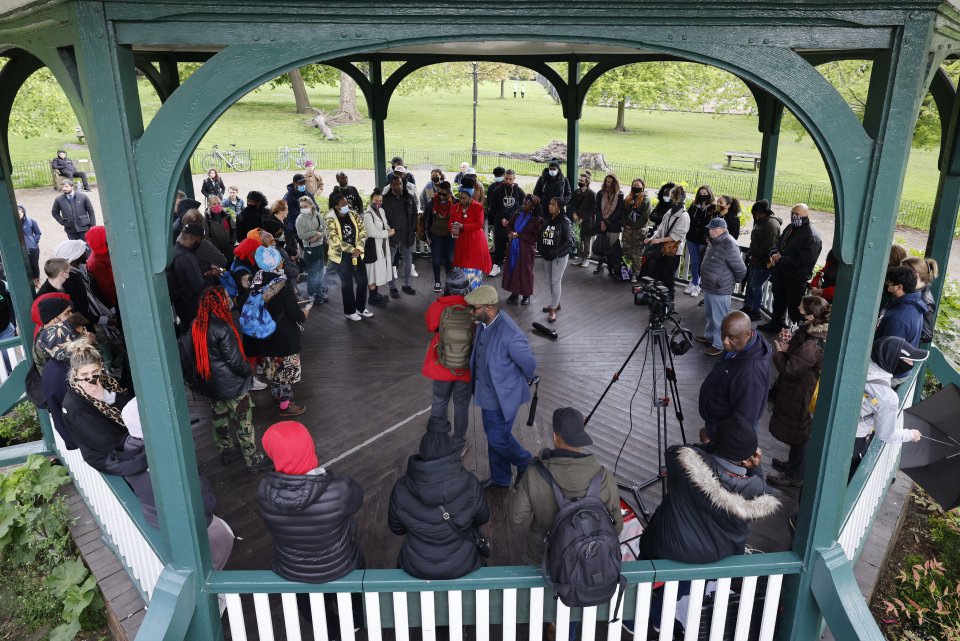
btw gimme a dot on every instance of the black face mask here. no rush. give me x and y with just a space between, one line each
435 179
637 190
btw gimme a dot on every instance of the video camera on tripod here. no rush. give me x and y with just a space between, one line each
655 294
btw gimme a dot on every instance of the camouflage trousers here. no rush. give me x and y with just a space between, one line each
235 415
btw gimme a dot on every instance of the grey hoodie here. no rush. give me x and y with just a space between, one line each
880 409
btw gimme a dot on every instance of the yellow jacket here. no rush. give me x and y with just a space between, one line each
335 236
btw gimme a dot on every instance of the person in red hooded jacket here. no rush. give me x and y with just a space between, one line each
470 250
99 265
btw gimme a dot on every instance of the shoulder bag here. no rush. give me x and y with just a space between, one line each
483 545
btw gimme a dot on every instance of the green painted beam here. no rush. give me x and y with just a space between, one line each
572 109
171 608
16 454
378 113
771 114
838 596
11 391
12 77
107 72
855 306
947 201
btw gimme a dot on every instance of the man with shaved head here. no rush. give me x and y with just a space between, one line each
737 385
792 260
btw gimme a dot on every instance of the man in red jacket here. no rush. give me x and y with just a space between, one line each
448 382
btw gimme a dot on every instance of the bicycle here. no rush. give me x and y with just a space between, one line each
286 154
233 158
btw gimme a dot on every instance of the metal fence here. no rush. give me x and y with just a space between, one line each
913 214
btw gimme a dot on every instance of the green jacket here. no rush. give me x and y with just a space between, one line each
764 235
533 503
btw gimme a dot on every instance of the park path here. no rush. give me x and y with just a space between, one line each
274 184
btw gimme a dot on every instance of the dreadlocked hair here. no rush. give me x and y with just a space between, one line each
213 302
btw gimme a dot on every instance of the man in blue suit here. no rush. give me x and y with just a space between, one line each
501 367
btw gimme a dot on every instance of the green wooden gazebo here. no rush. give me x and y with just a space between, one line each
95 47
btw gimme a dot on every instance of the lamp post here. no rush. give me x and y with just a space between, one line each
473 150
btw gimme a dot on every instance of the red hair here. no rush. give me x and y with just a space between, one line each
213 302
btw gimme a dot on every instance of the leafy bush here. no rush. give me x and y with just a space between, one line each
40 574
20 425
947 334
929 601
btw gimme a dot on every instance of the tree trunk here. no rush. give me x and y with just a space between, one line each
348 111
320 122
299 91
621 111
502 84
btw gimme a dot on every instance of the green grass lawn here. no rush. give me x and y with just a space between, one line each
265 120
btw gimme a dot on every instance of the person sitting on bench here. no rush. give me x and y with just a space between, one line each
65 167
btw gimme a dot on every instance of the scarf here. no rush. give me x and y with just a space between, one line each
608 203
523 217
110 384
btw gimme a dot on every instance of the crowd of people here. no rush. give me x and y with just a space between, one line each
246 273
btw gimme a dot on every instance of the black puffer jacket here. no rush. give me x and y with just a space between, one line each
549 187
249 219
401 214
432 549
705 514
310 519
230 374
100 439
799 249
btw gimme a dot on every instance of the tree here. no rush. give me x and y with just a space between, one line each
39 106
300 97
637 84
348 111
496 72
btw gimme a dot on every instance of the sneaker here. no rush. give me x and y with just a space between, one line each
585 262
258 385
703 339
230 455
782 480
599 269
689 289
437 288
394 293
633 279
263 465
495 271
366 313
525 300
354 316
413 272
409 290
576 260
713 351
695 292
293 410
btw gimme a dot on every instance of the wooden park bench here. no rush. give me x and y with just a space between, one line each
743 156
83 164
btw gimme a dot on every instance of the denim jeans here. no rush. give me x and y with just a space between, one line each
695 253
406 253
715 307
443 391
503 450
316 273
756 278
441 251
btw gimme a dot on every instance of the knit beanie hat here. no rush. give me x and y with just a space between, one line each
186 205
735 440
290 447
436 443
268 258
50 308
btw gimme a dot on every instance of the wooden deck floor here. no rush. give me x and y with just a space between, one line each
367 404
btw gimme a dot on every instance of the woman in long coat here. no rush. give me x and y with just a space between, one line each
799 362
471 253
379 272
523 233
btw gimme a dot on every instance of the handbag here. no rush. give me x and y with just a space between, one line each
483 544
601 245
670 247
370 251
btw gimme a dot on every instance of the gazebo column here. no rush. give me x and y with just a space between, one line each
378 114
573 109
107 72
894 96
771 113
947 202
170 79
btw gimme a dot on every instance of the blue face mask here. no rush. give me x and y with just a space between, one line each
301 188
345 210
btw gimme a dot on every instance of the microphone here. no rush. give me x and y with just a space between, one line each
543 330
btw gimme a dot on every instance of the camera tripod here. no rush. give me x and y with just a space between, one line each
658 347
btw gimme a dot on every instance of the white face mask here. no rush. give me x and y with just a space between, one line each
345 210
553 172
498 179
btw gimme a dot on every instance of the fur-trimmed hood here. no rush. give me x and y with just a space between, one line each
743 498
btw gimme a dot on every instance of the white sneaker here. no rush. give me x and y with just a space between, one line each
413 272
354 316
575 260
585 262
695 292
495 271
366 313
258 385
689 289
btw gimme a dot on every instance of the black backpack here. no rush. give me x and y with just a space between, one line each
582 557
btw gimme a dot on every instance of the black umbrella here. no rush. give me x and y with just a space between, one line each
934 462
